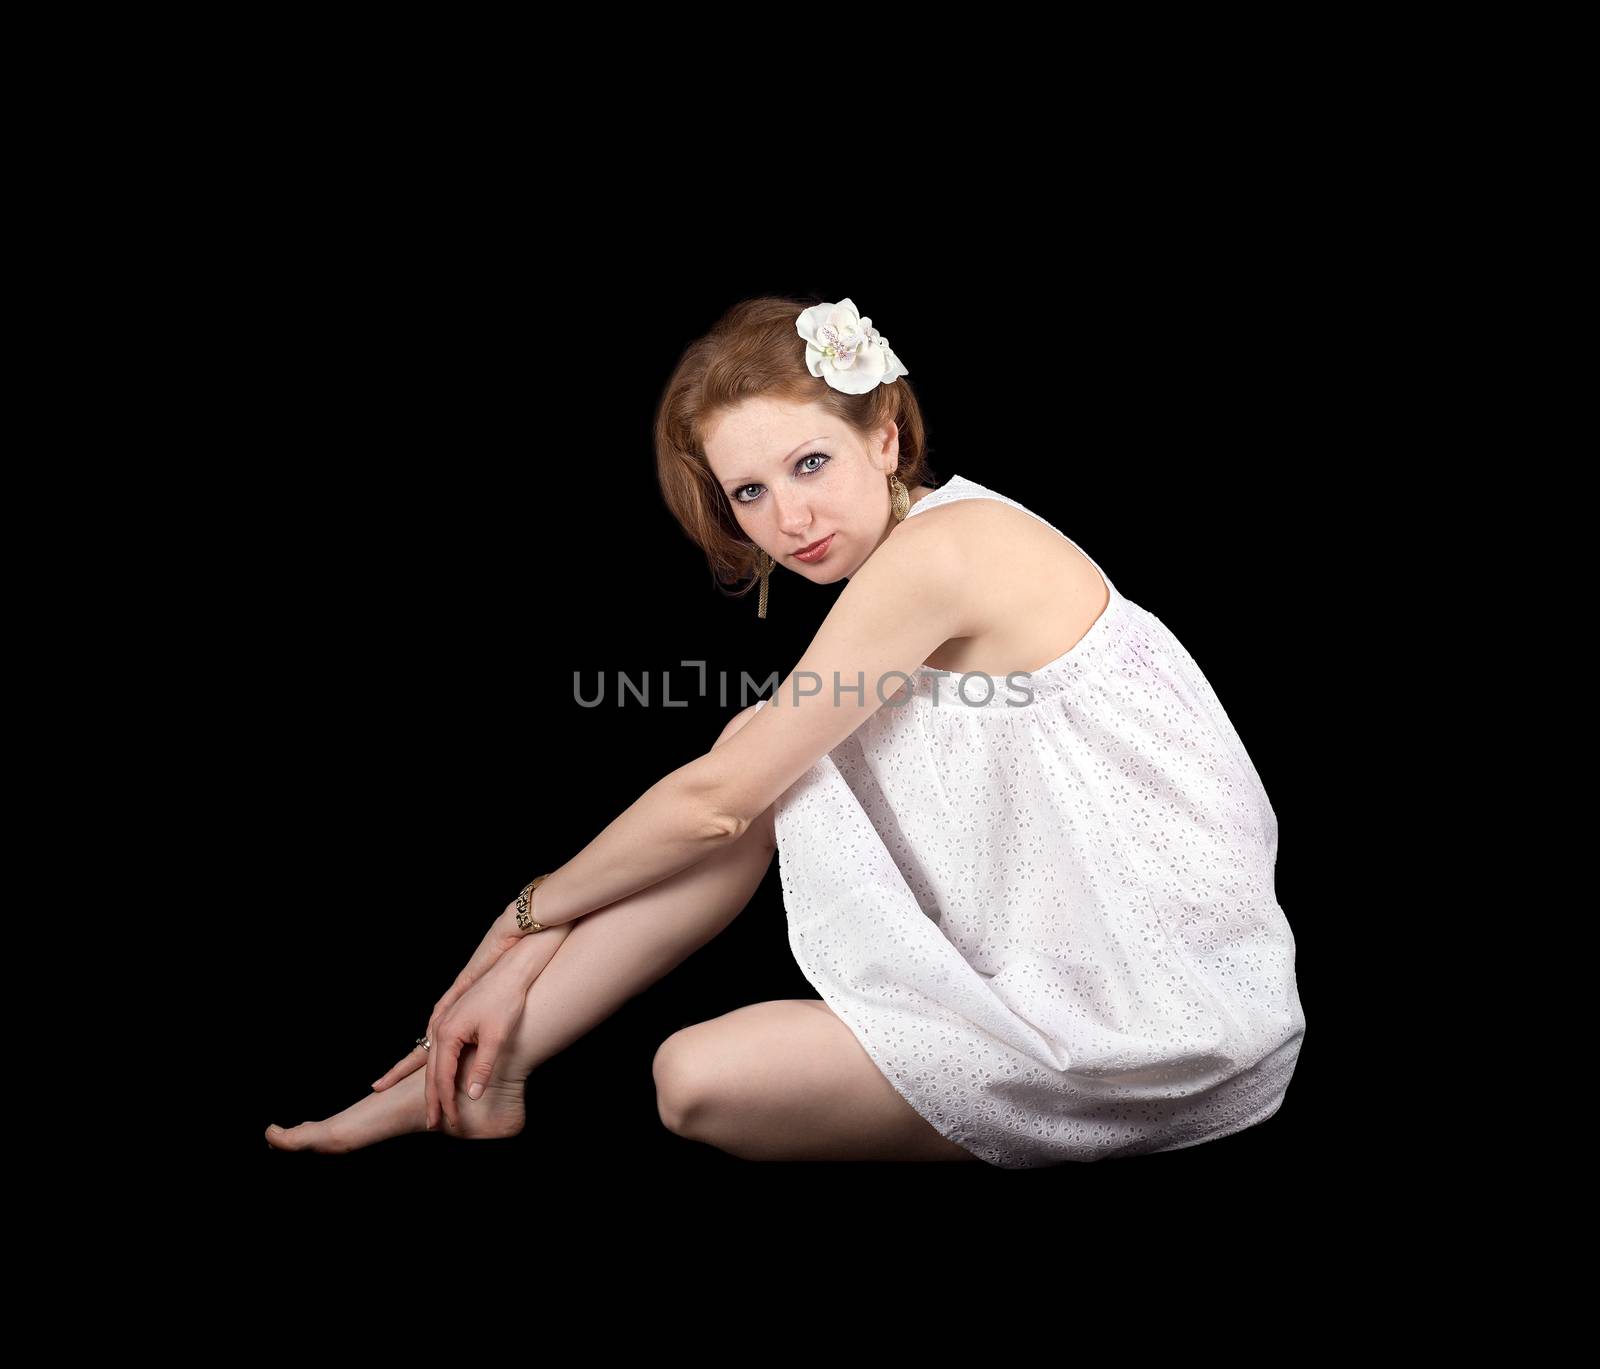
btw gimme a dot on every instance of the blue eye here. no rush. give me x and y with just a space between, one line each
809 456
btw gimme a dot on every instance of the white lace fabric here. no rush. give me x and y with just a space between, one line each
1052 925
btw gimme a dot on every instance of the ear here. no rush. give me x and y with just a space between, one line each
890 449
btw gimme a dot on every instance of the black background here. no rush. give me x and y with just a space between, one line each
449 506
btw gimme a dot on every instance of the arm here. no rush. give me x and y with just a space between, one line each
908 599
914 593
668 828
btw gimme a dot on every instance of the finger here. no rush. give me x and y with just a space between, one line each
430 1086
429 1118
430 1092
449 1058
448 1062
483 1067
409 1065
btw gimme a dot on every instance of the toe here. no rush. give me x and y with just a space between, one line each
306 1136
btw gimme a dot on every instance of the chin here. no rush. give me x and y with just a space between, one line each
828 572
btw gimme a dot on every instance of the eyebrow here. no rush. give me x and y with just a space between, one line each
745 479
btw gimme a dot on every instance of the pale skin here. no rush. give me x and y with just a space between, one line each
785 1079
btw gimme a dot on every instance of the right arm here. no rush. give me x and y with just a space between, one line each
661 920
668 828
913 593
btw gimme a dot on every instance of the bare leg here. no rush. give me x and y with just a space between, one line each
619 951
600 961
787 1080
399 1109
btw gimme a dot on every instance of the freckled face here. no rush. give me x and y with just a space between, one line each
794 475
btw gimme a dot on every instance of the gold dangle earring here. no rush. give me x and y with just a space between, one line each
899 499
764 564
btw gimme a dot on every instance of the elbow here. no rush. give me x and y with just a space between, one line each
706 793
719 817
723 827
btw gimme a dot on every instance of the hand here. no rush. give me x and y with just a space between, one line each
502 935
487 1013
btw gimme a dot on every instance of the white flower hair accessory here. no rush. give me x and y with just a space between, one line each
845 349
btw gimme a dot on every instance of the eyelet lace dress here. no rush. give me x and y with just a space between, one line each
1045 906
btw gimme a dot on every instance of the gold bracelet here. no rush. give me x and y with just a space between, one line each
524 901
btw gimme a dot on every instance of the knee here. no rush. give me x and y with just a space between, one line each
683 1091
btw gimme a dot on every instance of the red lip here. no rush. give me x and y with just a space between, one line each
803 550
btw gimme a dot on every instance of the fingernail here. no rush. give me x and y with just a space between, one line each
475 1090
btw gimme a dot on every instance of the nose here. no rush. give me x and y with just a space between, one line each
794 518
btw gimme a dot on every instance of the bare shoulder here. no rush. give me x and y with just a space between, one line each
935 554
962 523
1031 594
992 534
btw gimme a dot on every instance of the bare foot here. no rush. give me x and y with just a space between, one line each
398 1110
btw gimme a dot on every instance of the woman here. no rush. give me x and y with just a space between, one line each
1039 909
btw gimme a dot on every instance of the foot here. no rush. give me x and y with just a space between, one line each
398 1110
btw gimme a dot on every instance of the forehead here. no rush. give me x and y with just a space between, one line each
760 431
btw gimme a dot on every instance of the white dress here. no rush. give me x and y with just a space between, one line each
1052 927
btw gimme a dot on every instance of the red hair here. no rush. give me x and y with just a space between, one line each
753 351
